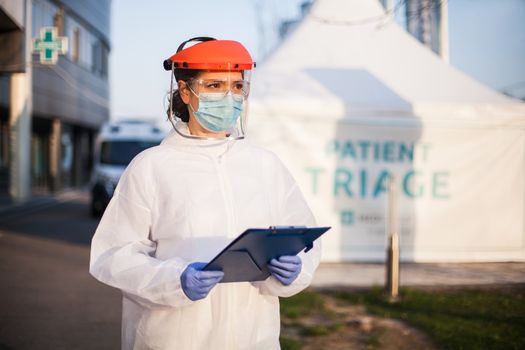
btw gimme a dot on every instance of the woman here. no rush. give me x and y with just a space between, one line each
177 205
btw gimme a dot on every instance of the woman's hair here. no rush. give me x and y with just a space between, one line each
180 109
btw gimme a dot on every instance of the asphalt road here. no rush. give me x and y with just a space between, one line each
48 300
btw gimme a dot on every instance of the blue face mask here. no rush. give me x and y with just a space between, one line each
218 112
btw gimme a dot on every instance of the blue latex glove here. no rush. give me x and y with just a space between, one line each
196 283
286 268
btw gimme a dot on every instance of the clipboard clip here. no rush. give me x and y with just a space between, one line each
285 227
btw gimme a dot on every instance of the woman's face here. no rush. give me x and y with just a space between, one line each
189 95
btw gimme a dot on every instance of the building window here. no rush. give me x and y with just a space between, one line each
100 58
43 15
85 47
104 68
75 45
58 21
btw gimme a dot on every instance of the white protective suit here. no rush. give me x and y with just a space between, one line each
182 202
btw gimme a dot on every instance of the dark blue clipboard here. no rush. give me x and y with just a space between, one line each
246 258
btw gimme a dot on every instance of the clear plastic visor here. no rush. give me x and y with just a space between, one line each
215 86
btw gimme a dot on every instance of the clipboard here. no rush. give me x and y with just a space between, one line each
245 259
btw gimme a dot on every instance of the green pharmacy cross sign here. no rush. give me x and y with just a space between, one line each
49 45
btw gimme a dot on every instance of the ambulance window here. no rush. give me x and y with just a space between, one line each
121 152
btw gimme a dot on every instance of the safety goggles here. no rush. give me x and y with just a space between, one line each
219 88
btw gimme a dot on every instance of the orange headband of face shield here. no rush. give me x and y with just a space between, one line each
211 54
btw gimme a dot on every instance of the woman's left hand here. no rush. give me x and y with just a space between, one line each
286 268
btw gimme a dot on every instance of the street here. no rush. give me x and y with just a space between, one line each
48 300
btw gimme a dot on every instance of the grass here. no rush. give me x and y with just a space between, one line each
457 318
298 312
288 343
454 318
302 304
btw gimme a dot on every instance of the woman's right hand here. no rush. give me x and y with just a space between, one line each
196 283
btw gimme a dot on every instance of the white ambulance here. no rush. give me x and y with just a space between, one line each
116 145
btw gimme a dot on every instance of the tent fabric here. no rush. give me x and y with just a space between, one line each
350 100
349 59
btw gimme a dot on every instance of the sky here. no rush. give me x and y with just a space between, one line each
487 43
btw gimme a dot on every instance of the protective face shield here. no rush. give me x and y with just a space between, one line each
222 86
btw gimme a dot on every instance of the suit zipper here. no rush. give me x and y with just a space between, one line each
228 200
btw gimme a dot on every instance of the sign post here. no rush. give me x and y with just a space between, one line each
392 268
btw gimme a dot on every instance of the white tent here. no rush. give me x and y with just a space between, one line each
350 99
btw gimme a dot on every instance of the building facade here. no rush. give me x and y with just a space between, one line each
49 114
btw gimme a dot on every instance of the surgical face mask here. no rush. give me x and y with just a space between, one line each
218 112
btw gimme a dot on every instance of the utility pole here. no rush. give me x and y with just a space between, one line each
443 31
259 14
392 254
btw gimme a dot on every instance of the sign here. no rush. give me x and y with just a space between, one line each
461 190
49 45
